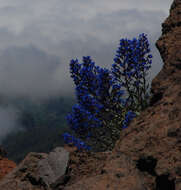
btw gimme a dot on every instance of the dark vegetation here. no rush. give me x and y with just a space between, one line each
43 124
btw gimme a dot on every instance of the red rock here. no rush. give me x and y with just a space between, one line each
6 165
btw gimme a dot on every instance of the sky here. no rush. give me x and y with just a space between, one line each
39 38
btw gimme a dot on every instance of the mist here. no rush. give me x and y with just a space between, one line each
31 73
38 40
8 118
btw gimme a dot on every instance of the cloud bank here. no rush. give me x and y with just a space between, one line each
70 29
29 72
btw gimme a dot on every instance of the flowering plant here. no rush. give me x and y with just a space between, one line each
103 107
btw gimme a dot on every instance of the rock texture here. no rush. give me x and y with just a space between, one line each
105 171
37 171
6 165
148 154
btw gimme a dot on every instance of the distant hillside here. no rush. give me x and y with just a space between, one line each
43 124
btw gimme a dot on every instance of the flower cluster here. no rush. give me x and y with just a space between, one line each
81 120
77 142
132 61
101 108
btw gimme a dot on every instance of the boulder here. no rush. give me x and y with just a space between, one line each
37 171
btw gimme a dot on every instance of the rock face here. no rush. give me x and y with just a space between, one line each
37 171
106 171
6 165
148 154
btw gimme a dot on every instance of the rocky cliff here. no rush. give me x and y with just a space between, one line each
148 154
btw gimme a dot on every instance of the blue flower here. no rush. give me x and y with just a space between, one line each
99 89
